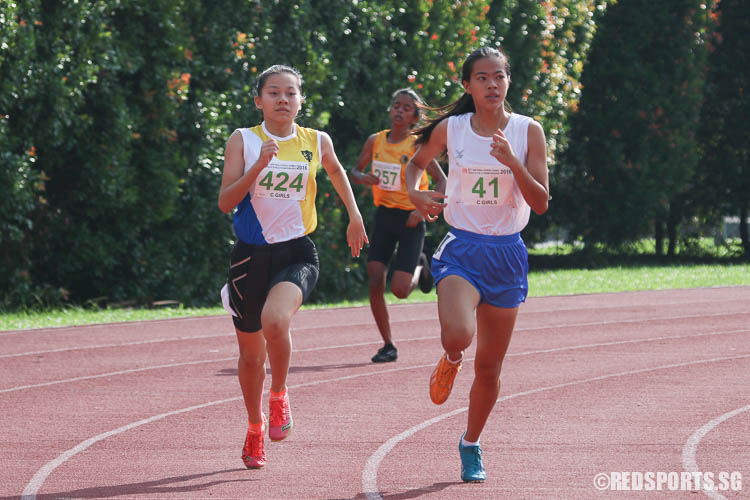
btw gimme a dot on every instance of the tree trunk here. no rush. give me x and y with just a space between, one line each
672 220
744 230
659 237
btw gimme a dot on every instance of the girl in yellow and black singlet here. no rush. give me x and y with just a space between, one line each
396 220
269 177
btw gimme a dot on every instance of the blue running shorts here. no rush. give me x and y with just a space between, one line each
497 266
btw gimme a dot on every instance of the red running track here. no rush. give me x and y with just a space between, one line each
642 382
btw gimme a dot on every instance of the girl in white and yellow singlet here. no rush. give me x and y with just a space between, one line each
269 177
396 221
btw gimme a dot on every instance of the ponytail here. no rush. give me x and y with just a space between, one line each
464 104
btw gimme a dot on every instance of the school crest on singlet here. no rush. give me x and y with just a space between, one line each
280 206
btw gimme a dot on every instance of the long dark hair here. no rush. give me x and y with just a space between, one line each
465 103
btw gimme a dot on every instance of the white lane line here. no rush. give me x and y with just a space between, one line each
118 324
194 337
31 489
297 330
121 344
370 472
362 344
29 493
691 446
637 305
114 374
343 346
631 341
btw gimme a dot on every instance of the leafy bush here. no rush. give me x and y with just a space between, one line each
114 116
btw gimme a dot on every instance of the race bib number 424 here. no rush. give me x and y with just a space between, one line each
284 180
486 185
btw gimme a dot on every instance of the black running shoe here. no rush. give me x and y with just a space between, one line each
425 277
385 354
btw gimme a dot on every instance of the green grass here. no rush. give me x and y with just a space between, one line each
542 282
620 279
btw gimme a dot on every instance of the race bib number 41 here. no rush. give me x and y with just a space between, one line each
486 185
284 180
389 175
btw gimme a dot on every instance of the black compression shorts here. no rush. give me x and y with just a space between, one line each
390 228
255 269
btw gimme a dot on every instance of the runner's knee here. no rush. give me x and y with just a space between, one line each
252 359
456 336
487 372
401 290
376 274
275 324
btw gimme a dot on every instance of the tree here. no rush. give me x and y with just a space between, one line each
723 181
114 116
547 43
631 156
21 185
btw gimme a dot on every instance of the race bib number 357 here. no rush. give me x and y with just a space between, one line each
284 180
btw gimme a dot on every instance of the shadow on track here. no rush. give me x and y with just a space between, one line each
149 488
232 372
413 493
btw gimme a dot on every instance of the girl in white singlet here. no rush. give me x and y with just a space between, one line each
497 175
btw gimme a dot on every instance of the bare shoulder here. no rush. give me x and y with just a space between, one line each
441 128
324 136
439 136
326 148
235 139
325 141
535 128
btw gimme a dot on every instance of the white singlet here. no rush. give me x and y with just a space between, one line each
483 195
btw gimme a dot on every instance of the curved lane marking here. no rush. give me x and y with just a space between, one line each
370 472
32 488
91 326
691 446
104 346
369 479
114 374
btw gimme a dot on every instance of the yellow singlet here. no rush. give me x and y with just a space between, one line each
389 163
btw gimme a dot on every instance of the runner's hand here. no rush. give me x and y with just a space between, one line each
370 179
501 149
268 150
356 236
414 218
429 203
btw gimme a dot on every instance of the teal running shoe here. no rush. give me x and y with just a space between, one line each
472 470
